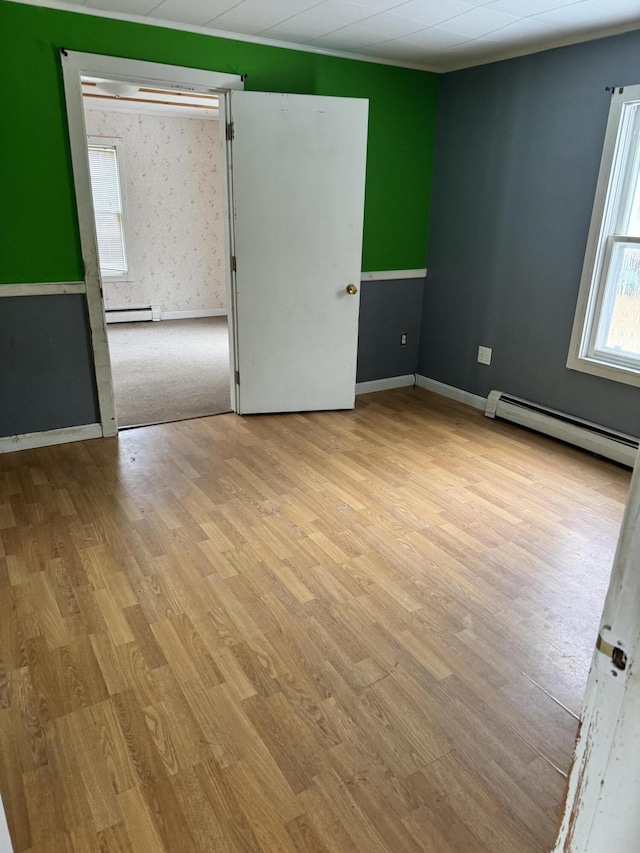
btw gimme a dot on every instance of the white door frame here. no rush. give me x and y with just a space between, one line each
601 804
74 66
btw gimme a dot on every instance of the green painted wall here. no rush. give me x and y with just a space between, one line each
39 238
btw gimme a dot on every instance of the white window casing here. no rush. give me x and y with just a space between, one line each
606 332
106 169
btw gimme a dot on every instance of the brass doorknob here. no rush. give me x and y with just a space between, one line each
352 289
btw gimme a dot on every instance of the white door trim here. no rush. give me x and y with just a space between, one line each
601 801
74 65
140 71
5 838
230 247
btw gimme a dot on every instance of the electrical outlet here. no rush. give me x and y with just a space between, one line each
484 355
403 339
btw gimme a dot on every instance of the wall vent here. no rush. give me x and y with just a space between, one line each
598 439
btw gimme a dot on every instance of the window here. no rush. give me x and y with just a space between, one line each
606 334
108 209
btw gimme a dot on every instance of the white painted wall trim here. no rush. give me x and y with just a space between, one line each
451 392
390 275
583 354
52 288
5 839
385 384
198 312
88 240
28 440
105 65
135 71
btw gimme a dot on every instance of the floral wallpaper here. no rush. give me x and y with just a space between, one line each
174 214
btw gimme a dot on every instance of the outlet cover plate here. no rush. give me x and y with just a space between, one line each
484 355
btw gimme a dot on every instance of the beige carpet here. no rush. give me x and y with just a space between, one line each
169 371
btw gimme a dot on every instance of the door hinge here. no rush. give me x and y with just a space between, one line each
230 131
234 264
616 654
237 377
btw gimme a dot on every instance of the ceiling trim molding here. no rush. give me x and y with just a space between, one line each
460 65
529 50
61 6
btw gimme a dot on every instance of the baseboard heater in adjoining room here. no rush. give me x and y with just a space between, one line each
598 439
131 315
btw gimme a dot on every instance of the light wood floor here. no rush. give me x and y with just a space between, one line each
352 631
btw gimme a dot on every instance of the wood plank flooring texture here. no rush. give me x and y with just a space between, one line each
349 631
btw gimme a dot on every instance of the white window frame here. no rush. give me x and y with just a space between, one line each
116 142
583 352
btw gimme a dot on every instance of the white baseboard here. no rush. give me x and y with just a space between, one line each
187 315
26 441
385 384
129 316
152 313
451 392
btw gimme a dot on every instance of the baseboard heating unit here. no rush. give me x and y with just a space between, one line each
598 439
131 315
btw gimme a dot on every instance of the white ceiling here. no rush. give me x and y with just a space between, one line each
439 35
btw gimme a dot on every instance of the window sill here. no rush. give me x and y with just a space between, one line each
604 369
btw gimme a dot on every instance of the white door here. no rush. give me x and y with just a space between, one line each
602 814
298 171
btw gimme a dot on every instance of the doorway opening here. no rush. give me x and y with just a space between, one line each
293 178
155 163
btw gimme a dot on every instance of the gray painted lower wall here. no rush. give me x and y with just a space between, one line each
46 368
518 147
387 309
46 373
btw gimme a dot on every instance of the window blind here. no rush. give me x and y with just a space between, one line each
107 208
